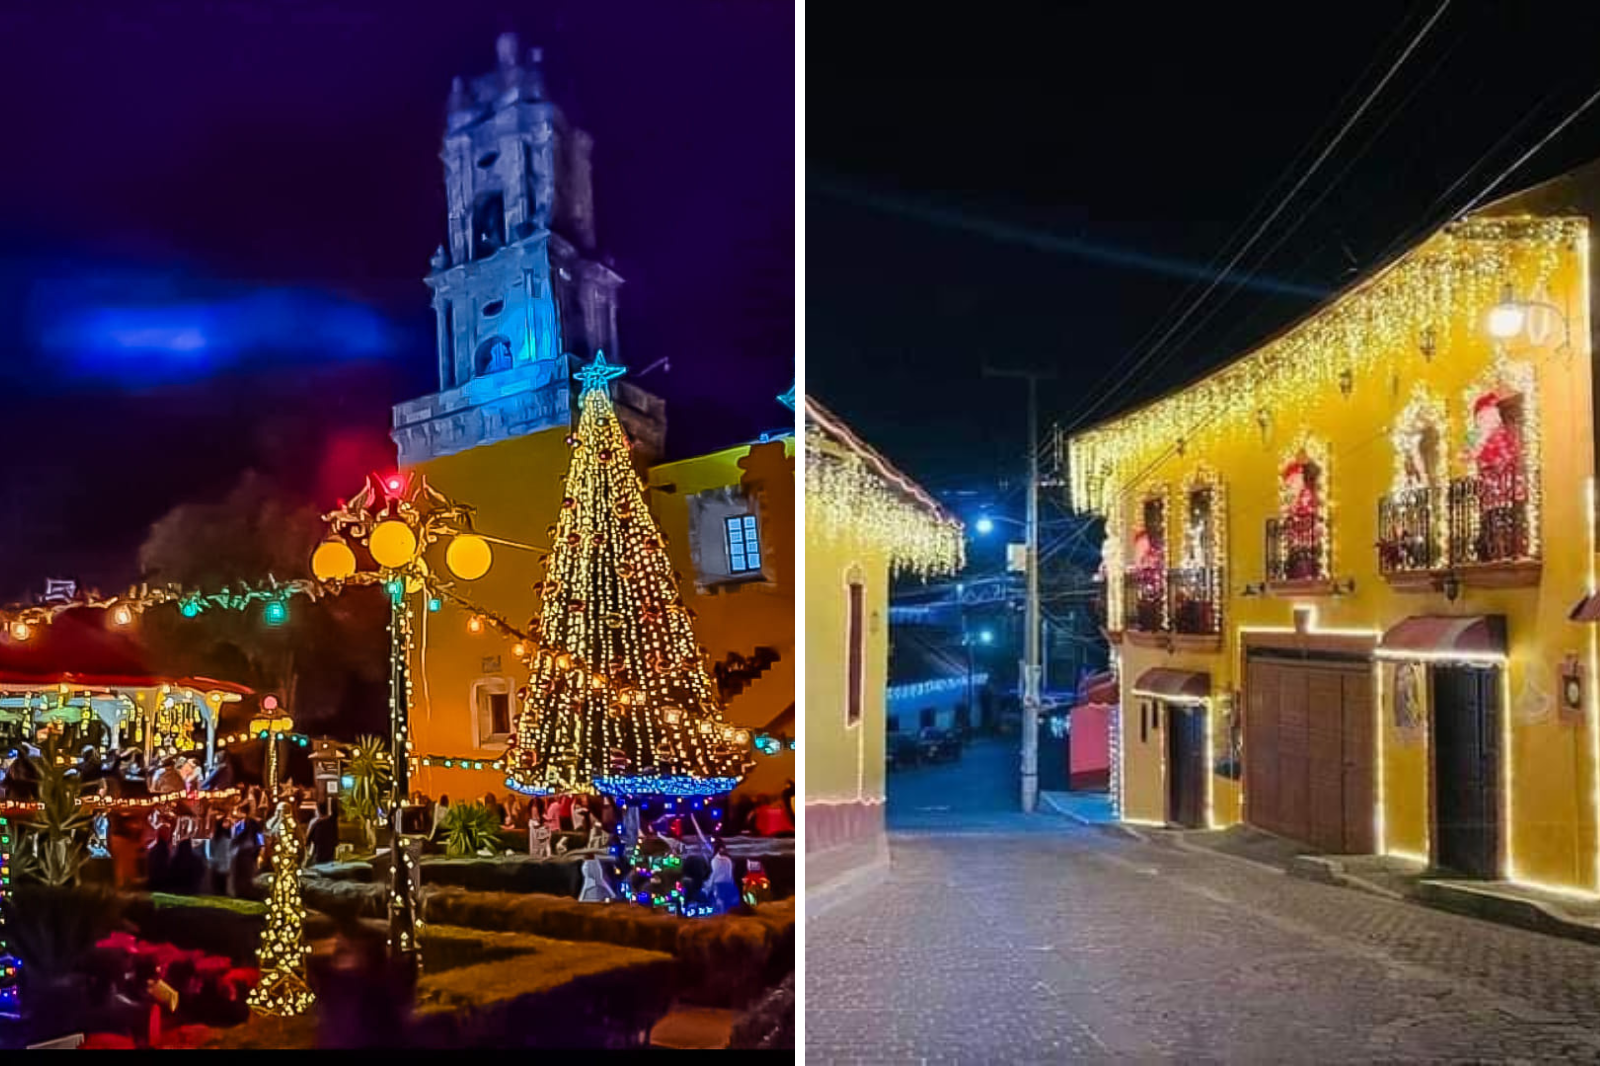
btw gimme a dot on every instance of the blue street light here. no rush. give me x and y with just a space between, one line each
984 526
986 636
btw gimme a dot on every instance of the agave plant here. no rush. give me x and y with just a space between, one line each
469 828
55 841
371 777
51 928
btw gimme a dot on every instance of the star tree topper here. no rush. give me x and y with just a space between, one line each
599 374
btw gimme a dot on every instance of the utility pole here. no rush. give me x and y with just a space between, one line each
1030 657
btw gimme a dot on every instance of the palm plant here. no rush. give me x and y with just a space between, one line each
469 828
371 777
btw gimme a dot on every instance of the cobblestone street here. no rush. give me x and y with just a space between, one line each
1005 938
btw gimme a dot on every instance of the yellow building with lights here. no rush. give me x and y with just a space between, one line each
466 674
1340 569
865 523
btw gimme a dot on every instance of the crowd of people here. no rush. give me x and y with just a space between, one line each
120 774
212 846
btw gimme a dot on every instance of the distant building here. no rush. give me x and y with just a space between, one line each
520 299
865 522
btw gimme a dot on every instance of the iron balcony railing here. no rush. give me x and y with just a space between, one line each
1144 600
1489 520
1195 597
1295 548
1408 531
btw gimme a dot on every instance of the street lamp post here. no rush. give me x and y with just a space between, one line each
397 518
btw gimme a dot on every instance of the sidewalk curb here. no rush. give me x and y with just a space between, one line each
1534 915
846 887
1118 830
1327 871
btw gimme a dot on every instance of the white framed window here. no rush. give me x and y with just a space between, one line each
744 545
491 710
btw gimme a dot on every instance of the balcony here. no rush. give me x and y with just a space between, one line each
1196 601
1408 537
1491 530
1174 609
1296 553
1144 601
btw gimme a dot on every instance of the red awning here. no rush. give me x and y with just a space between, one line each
1587 609
1099 688
1473 636
1184 686
78 648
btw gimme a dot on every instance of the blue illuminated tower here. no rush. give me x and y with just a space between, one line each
520 296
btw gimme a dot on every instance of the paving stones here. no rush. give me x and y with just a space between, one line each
1003 938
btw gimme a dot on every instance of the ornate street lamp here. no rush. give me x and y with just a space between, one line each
397 518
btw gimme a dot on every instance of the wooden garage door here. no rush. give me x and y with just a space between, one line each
1309 752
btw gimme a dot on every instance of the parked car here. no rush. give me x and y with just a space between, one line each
902 749
939 745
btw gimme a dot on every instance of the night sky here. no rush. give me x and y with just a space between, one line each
215 219
1042 191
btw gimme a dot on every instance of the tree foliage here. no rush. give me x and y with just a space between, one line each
320 654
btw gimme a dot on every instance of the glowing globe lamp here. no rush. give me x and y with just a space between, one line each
984 525
468 557
333 561
1507 317
392 544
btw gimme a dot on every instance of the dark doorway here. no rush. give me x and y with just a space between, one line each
1186 766
1466 770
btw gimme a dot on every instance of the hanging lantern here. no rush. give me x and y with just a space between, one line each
468 556
392 544
333 561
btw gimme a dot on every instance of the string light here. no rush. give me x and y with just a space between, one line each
1453 277
283 990
846 497
619 700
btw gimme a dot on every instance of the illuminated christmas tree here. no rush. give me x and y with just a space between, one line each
283 990
619 700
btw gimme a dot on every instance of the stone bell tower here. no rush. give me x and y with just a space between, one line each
519 294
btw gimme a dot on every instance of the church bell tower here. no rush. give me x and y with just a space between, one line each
519 293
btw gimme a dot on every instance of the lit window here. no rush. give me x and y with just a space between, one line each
491 698
744 547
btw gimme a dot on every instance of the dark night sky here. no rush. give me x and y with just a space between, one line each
1104 155
265 174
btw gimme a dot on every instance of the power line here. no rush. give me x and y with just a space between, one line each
1531 152
1161 320
1283 203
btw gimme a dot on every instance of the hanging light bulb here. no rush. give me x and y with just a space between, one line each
475 624
122 616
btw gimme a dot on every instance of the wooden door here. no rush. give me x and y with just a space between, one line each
1309 755
1466 770
1186 766
1360 765
1261 746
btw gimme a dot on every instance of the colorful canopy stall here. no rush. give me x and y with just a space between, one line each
86 684
1092 718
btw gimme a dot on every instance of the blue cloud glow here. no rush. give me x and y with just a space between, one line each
135 328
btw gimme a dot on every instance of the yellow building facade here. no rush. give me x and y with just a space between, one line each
865 523
1340 569
466 675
